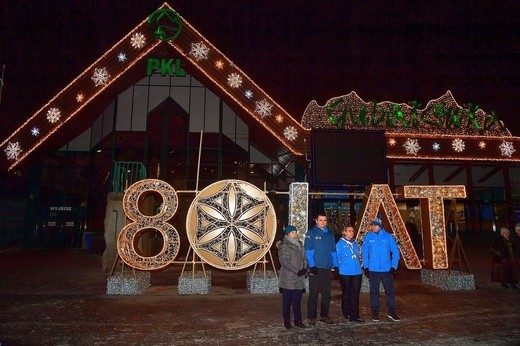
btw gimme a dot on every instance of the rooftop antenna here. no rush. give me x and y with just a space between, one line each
2 82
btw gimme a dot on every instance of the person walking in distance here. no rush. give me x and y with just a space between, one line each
320 248
380 260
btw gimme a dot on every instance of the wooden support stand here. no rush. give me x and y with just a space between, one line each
457 254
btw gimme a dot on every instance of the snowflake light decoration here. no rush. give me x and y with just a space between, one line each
35 131
199 51
391 142
482 145
506 148
458 145
279 118
412 146
53 115
248 93
219 64
100 76
79 98
13 150
234 80
263 108
121 57
137 40
290 133
436 146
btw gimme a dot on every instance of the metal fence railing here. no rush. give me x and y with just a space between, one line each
126 173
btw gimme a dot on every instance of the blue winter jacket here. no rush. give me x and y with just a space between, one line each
320 248
348 257
380 251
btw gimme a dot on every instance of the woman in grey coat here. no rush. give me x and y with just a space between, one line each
293 263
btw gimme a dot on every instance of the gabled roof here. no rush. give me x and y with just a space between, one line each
159 34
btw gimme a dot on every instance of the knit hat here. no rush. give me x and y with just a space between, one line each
290 228
377 221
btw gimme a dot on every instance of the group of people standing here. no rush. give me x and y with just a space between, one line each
321 256
505 251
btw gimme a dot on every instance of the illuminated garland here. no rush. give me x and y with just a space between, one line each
443 114
433 221
231 224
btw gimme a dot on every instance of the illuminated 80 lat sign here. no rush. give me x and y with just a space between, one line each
231 224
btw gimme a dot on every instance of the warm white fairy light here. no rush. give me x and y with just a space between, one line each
434 225
290 133
412 146
458 145
199 51
13 150
263 108
234 80
100 76
53 115
137 40
506 148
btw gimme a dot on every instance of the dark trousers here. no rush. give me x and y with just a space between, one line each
319 283
292 298
388 283
350 288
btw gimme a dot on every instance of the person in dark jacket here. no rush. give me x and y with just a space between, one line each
292 276
320 248
503 269
380 260
350 274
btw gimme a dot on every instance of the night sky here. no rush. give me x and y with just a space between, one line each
297 51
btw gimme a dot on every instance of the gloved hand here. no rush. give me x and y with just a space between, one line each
313 270
393 270
301 272
367 272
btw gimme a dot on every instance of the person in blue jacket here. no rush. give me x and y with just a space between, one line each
350 274
380 260
320 249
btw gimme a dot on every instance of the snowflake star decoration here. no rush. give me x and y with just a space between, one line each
290 133
234 80
436 146
35 131
137 40
506 148
458 145
412 146
199 51
263 108
13 150
100 76
53 115
121 57
248 93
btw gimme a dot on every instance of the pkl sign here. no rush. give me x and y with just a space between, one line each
170 67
